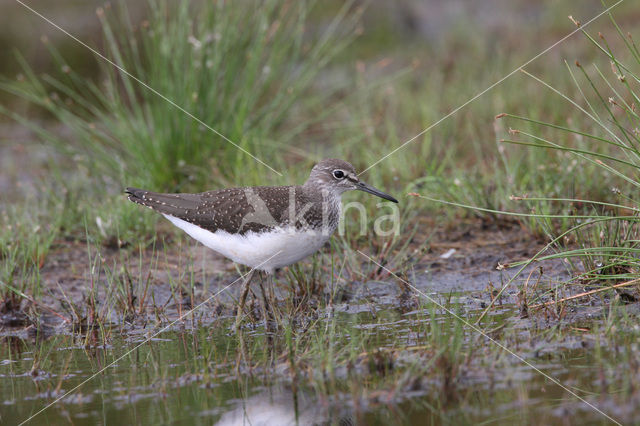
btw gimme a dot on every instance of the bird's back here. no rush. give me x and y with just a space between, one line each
242 210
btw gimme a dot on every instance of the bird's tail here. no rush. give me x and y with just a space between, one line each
136 195
176 205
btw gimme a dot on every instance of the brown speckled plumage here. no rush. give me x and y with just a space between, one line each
240 210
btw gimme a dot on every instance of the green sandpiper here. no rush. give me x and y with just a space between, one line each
263 227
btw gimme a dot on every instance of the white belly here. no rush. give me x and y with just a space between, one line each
265 250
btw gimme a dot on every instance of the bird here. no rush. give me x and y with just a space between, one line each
263 227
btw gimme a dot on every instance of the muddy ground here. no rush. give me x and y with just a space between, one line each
463 260
461 266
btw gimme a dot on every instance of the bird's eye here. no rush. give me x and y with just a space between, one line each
338 174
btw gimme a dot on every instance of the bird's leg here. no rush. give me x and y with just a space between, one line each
242 350
272 301
243 298
266 311
269 303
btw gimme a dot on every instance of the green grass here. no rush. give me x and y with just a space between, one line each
228 67
27 233
192 90
604 150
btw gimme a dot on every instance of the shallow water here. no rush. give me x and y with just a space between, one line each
188 376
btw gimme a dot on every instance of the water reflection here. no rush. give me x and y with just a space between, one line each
279 407
14 344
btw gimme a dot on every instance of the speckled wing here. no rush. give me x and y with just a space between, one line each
234 210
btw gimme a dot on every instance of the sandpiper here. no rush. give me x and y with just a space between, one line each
263 227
